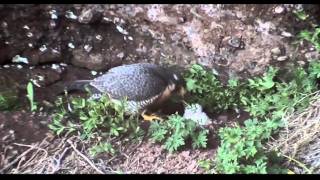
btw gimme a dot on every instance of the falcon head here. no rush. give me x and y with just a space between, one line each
177 84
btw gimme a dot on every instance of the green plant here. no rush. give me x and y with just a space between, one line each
8 100
101 148
175 131
207 165
241 148
57 124
301 14
207 90
312 37
102 121
266 98
89 116
30 95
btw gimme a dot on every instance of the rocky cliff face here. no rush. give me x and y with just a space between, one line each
98 37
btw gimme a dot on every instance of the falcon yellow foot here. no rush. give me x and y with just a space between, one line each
150 117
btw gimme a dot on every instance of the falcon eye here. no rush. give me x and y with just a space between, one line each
175 77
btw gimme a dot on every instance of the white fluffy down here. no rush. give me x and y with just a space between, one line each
194 112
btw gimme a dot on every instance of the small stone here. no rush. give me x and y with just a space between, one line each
43 122
86 16
70 45
70 15
150 159
43 48
52 24
312 55
55 66
302 63
87 47
94 73
107 19
40 78
11 131
4 24
120 55
286 34
19 59
99 37
276 51
19 66
130 38
53 14
55 51
122 31
282 58
222 118
279 9
26 27
29 34
303 51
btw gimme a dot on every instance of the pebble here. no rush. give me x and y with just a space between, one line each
70 45
4 24
279 9
19 59
26 27
53 14
120 55
122 31
43 48
94 73
99 37
87 47
19 66
312 55
63 64
286 34
276 51
55 66
70 15
282 58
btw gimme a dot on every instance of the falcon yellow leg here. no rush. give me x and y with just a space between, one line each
150 117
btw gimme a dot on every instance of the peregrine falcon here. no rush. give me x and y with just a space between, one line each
145 86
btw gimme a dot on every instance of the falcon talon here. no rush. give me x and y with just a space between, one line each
151 117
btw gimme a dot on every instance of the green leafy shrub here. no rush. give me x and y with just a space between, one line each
175 131
312 36
266 98
8 100
207 90
95 118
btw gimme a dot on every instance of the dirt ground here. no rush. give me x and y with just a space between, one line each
72 42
